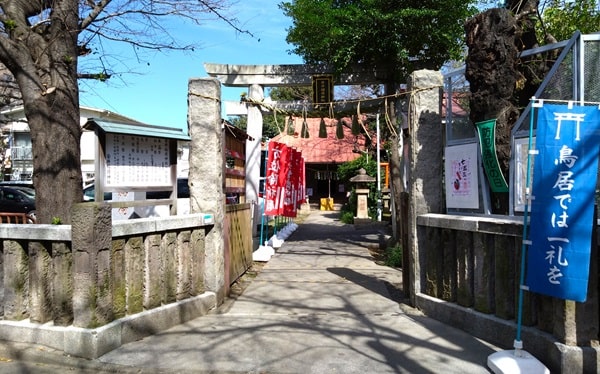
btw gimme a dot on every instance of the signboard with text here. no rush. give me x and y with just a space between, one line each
322 86
562 209
462 188
137 161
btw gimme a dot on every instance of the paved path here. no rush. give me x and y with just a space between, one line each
320 305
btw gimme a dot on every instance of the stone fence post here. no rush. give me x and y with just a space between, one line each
206 174
426 147
91 239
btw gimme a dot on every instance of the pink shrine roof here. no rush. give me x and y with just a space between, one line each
318 150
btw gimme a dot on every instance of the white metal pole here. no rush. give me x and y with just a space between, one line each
379 208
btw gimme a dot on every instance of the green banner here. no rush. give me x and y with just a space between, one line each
487 139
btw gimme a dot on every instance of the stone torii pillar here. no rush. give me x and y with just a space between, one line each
426 160
253 152
206 177
255 77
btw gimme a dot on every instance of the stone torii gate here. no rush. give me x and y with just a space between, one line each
256 78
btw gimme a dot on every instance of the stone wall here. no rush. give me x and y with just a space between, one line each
90 287
465 270
470 276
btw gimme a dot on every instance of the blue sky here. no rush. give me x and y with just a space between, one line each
155 89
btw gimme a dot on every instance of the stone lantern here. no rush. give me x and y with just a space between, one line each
362 193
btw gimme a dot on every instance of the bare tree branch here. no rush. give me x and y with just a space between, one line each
40 44
143 24
230 22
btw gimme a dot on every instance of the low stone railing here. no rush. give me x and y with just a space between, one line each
89 287
470 275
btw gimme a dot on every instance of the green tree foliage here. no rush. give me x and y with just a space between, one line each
560 18
378 32
290 93
398 35
350 169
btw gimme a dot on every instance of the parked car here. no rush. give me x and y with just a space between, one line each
183 191
89 194
26 190
28 184
17 200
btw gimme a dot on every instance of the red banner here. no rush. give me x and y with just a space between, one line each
284 182
301 182
289 197
274 151
296 177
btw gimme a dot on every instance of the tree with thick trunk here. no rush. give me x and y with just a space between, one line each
499 86
40 44
396 183
491 69
43 59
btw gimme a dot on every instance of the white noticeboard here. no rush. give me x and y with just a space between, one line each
461 171
521 151
136 161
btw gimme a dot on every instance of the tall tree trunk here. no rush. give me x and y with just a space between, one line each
395 164
44 63
56 135
491 69
531 68
397 187
495 38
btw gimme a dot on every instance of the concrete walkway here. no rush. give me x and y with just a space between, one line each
320 305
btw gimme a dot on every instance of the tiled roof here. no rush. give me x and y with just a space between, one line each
318 150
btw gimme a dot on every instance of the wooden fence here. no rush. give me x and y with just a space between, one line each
16 218
238 241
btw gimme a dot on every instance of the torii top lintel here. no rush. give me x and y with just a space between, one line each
290 75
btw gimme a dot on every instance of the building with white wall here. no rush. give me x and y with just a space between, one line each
18 158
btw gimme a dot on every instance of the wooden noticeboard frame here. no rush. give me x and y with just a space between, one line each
134 157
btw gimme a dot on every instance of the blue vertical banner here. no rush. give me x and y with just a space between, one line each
562 209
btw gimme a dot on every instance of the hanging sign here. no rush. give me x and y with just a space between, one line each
273 175
289 207
564 180
301 181
322 86
487 139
